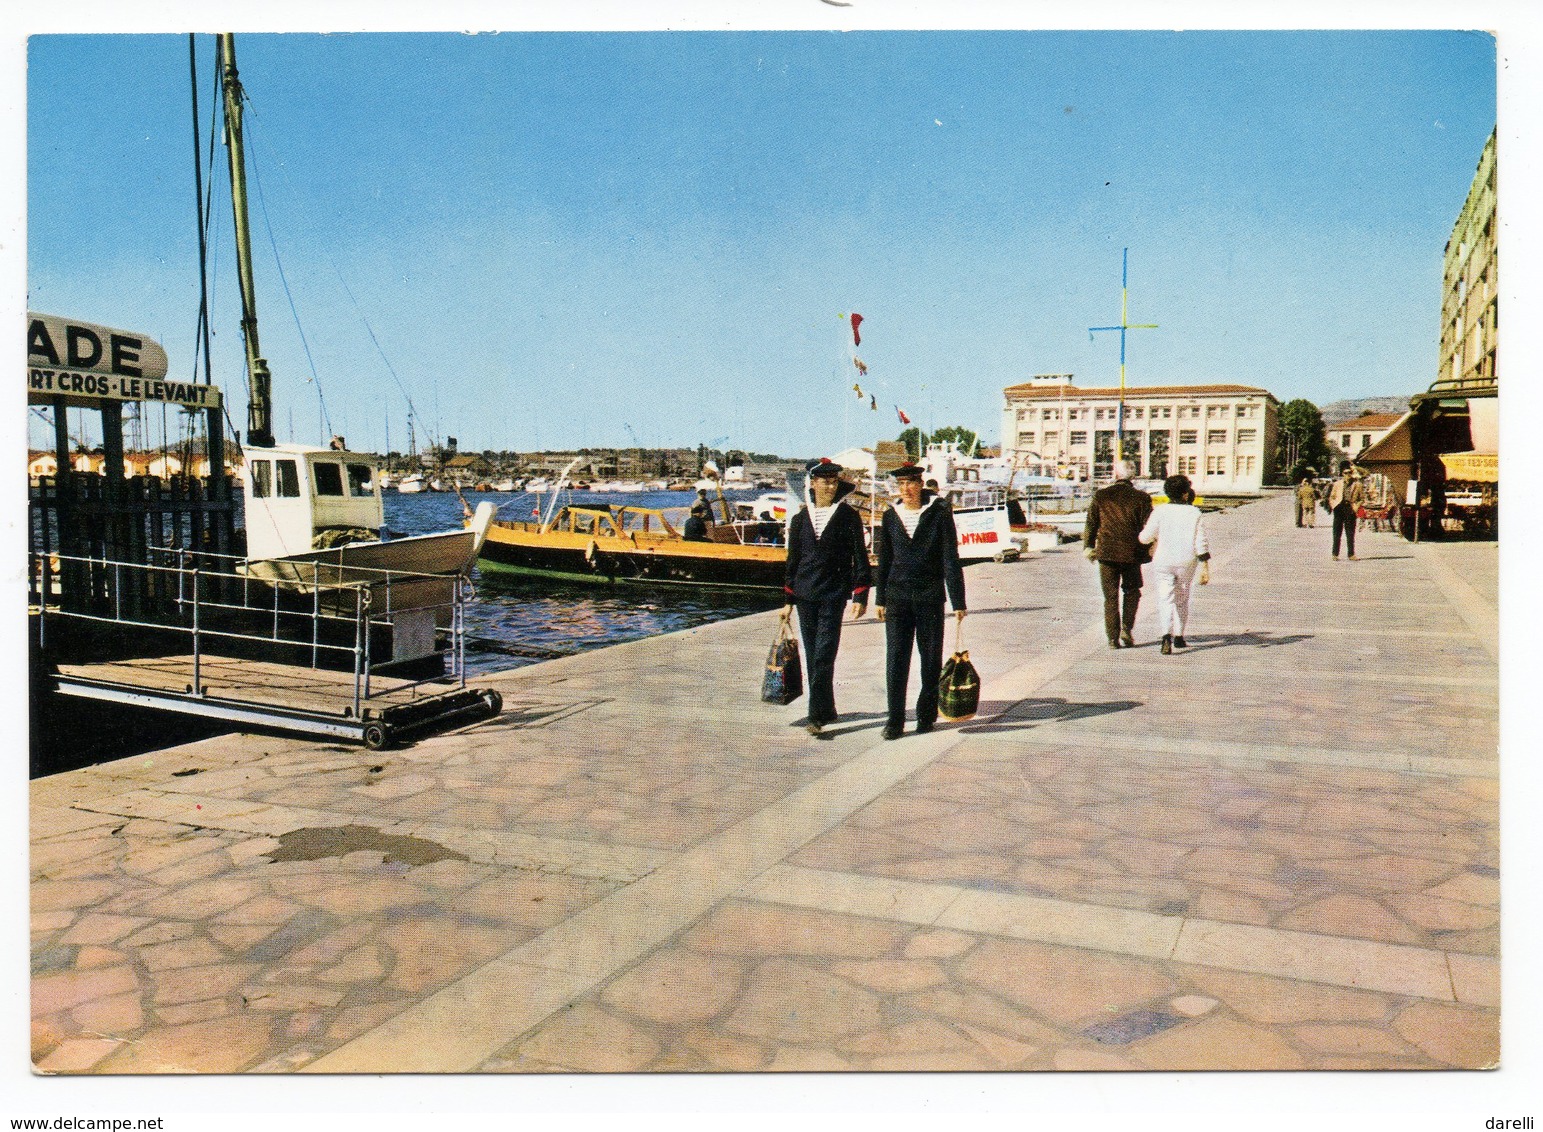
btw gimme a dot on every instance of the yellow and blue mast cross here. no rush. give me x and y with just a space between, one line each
1119 426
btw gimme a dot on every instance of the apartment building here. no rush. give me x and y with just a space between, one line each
1222 436
1470 310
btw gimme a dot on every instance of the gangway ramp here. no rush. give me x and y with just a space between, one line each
284 696
212 642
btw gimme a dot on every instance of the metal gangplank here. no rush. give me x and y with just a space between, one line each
371 656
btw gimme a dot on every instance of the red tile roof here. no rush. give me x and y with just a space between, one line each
1056 391
1373 421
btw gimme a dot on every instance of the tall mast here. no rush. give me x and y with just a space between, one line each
259 431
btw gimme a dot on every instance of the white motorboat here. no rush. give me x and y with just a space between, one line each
314 515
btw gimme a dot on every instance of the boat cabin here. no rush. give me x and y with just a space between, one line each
301 498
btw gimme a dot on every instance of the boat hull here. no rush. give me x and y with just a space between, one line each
609 560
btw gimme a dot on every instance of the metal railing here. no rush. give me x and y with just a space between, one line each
214 598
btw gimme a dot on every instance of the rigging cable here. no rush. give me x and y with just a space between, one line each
284 280
412 409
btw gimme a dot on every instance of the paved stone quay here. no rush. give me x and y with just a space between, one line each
1276 849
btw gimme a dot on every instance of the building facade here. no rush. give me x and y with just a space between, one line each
1221 436
1356 435
1470 310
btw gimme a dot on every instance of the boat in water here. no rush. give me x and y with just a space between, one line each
314 515
595 542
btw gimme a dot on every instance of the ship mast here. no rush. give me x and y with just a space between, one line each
259 432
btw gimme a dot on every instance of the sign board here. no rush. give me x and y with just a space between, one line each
85 363
1472 467
982 534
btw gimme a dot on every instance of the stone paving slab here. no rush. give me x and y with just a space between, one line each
1275 850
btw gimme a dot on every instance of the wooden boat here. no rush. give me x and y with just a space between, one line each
637 545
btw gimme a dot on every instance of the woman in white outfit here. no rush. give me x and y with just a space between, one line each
1181 546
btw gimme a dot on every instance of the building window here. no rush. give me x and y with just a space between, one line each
1167 412
1137 411
1026 440
1216 465
1246 465
1344 441
1247 435
1187 465
289 479
1189 436
1050 414
1078 438
1366 440
1216 436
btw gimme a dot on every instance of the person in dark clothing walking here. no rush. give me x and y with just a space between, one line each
1345 497
918 562
827 567
1112 538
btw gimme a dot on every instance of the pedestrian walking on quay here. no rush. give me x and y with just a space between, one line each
918 562
827 568
1112 539
1344 499
1178 529
1307 503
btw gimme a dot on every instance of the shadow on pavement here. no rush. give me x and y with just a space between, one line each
1028 713
1250 639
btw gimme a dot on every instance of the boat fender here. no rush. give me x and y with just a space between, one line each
591 552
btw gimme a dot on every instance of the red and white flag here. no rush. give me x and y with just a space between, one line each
857 320
901 414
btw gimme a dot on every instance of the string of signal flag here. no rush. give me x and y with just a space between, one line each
862 369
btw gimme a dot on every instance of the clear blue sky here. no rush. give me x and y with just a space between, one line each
558 237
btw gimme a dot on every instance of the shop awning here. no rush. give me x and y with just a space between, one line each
1394 448
1475 467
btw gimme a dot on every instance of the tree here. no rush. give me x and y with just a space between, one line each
966 438
1302 443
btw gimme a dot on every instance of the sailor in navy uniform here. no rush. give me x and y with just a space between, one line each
827 568
918 562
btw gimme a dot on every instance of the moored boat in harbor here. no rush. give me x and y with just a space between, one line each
642 545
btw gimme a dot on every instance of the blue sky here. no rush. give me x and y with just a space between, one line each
581 239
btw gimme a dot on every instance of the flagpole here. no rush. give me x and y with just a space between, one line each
1125 325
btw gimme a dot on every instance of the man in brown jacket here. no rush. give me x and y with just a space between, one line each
1111 537
1344 500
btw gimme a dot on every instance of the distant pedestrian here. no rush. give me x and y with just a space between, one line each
1307 503
1112 539
827 567
918 562
1344 499
1179 532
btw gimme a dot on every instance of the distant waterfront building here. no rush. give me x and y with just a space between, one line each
1221 436
1356 435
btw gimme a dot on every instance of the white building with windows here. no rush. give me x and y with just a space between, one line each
1356 435
1221 436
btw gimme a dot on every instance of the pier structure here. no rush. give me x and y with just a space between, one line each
1276 849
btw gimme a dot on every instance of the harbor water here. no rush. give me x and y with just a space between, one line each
514 620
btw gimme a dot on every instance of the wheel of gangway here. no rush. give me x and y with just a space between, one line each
376 736
494 700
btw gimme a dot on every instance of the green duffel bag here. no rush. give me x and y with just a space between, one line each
958 686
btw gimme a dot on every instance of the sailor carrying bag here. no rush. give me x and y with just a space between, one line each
959 683
784 679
